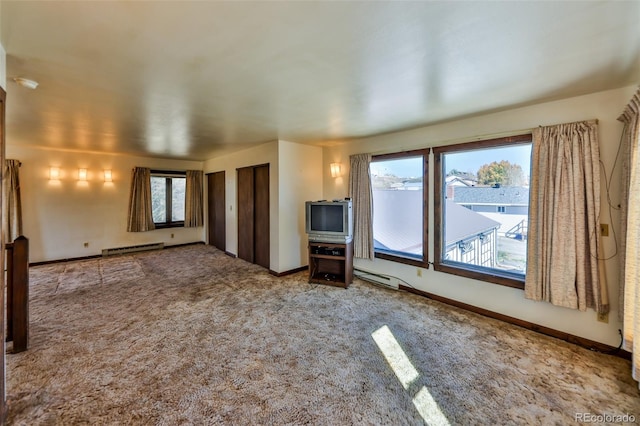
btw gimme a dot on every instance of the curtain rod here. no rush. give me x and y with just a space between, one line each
472 139
455 141
593 120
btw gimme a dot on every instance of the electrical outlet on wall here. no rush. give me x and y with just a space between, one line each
603 318
86 244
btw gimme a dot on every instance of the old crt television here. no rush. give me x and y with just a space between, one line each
329 221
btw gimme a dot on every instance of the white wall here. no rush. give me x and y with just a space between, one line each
289 188
605 106
300 180
3 68
59 217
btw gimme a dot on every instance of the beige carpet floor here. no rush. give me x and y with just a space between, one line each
191 336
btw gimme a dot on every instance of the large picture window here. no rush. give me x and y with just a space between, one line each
399 183
167 198
482 209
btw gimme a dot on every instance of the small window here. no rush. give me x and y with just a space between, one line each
167 198
482 209
398 184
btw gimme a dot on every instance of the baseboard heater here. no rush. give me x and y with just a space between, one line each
377 279
131 249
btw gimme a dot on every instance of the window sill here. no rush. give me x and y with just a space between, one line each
401 259
507 280
166 225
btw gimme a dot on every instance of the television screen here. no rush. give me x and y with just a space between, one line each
327 218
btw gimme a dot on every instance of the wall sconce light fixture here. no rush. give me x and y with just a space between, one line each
25 82
336 169
54 173
108 177
82 175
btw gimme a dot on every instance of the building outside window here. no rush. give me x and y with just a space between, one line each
399 206
482 205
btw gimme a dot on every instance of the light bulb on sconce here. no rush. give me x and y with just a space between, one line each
108 177
54 173
82 175
336 169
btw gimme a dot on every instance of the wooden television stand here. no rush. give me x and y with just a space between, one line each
331 263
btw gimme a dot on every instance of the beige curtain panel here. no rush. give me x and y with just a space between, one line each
194 210
12 203
630 119
140 211
362 200
564 265
630 279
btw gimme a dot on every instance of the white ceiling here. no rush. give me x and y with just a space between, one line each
194 79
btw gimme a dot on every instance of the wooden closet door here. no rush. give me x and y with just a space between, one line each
216 210
253 215
246 214
261 216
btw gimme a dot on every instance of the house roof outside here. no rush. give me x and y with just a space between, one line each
397 223
502 196
412 186
462 223
460 181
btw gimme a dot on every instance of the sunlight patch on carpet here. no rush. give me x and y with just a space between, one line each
429 409
407 374
395 356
